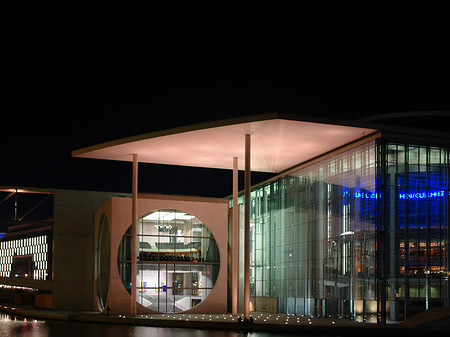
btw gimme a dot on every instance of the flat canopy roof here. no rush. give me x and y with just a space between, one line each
277 143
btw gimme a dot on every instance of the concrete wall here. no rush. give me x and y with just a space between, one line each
213 212
73 247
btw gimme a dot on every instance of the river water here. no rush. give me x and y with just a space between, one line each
29 327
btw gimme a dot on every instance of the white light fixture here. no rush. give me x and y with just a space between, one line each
156 215
168 217
185 217
347 233
165 226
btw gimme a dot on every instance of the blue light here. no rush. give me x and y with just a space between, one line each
414 195
420 199
365 195
422 195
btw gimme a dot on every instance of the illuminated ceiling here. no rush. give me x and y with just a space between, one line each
277 143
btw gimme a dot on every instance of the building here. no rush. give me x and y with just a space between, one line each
355 224
181 255
47 249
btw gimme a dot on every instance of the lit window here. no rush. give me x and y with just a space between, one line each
178 261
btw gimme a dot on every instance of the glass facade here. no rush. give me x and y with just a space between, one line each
178 261
27 258
414 241
362 234
313 241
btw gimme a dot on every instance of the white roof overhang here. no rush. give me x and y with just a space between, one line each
277 143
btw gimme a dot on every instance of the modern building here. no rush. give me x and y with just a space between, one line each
46 253
355 224
181 255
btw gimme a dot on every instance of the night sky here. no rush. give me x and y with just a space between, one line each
67 85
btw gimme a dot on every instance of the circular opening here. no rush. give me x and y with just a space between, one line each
177 262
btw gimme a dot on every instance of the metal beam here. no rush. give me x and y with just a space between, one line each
7 197
34 207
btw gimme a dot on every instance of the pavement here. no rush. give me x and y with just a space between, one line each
433 317
262 322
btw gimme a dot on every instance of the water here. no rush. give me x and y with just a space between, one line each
28 327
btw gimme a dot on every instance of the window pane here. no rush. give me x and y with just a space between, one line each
178 261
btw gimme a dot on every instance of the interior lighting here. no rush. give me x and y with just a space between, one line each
156 216
185 217
168 217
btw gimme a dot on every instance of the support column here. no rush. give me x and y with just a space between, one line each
235 242
15 206
134 192
247 229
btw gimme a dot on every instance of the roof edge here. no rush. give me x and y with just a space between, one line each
180 129
220 123
368 138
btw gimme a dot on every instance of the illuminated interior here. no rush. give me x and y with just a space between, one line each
178 261
25 258
317 242
356 225
418 189
313 237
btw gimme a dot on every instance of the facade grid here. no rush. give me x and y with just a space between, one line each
27 257
313 237
361 234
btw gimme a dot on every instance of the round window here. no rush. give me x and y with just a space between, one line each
177 262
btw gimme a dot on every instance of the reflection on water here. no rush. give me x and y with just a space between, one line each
21 326
11 325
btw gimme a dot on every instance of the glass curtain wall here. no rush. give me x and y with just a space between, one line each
416 228
26 258
313 241
178 261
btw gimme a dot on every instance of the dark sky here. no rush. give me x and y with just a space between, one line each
67 85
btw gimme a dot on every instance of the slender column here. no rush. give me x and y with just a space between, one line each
134 234
15 206
235 242
247 229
